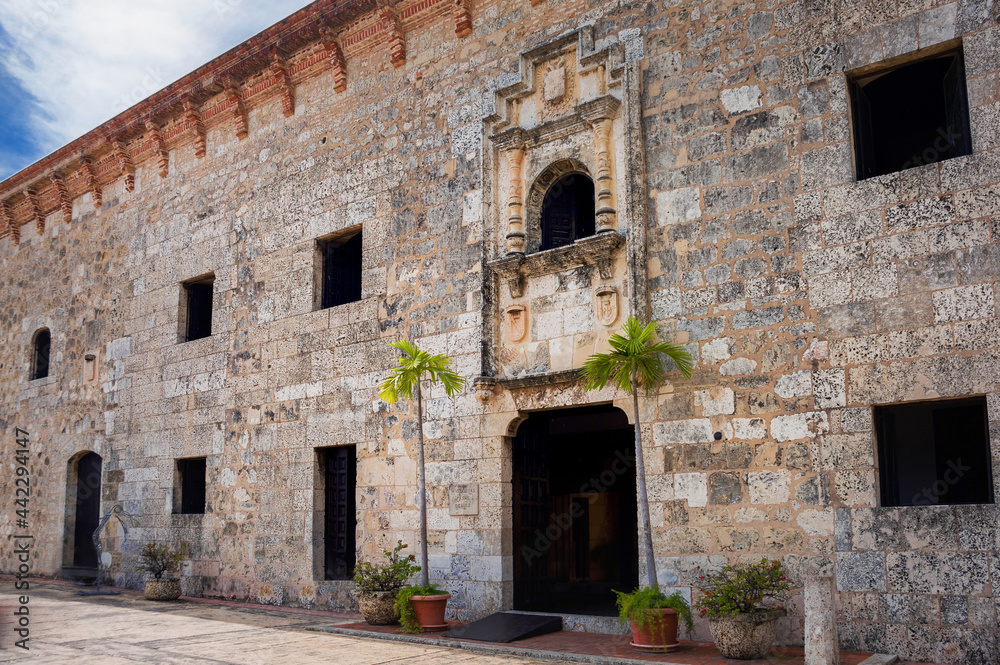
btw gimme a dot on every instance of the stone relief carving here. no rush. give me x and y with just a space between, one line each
517 323
607 305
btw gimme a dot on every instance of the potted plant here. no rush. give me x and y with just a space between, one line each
378 584
653 616
414 366
742 603
422 607
158 560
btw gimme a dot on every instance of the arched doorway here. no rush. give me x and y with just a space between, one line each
574 525
83 512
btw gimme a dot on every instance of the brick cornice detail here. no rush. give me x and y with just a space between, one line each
311 41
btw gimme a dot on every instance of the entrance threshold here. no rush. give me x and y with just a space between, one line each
586 623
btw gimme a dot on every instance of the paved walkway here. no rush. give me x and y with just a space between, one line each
67 629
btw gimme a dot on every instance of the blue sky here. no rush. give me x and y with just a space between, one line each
66 66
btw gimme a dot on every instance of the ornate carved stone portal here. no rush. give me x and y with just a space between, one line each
564 117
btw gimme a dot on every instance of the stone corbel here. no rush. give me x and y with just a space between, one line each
279 72
8 221
93 186
65 202
463 18
124 159
154 135
238 111
336 56
509 270
36 210
515 201
394 31
484 387
192 116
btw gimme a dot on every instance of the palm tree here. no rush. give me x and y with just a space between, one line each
635 358
414 366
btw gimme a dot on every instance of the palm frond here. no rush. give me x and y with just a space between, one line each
634 353
413 366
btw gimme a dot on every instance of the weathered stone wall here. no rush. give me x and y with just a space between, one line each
806 298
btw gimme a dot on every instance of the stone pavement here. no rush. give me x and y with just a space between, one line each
127 629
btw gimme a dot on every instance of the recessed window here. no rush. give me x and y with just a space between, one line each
934 453
196 308
191 483
339 273
338 479
567 211
910 115
40 354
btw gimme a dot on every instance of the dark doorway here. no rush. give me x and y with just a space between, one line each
575 528
339 466
88 510
568 211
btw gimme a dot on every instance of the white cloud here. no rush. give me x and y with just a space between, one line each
85 61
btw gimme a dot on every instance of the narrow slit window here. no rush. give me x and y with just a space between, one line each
567 211
340 274
339 471
40 354
934 453
197 308
191 477
910 115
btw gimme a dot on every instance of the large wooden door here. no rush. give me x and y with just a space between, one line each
88 510
531 515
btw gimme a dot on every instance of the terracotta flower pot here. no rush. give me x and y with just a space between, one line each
746 636
166 588
379 607
430 611
659 633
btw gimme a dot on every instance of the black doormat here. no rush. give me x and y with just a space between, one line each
508 627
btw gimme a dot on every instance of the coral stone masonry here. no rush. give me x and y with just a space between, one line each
211 280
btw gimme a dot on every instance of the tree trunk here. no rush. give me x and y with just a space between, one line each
422 492
640 474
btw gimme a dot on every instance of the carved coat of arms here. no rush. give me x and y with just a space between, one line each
607 305
517 323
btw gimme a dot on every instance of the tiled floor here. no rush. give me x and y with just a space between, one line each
617 647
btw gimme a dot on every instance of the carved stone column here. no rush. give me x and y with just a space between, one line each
605 178
515 201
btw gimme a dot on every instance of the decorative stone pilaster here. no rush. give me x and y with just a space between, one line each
605 195
515 201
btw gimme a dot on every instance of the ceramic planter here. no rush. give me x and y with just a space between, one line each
746 636
166 588
659 633
430 611
378 607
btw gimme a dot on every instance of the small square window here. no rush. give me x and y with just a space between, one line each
196 308
910 115
191 484
339 275
934 453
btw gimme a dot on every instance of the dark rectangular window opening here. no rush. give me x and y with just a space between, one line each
191 477
40 354
910 115
934 453
196 308
339 278
338 466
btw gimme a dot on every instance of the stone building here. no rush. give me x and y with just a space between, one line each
199 296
